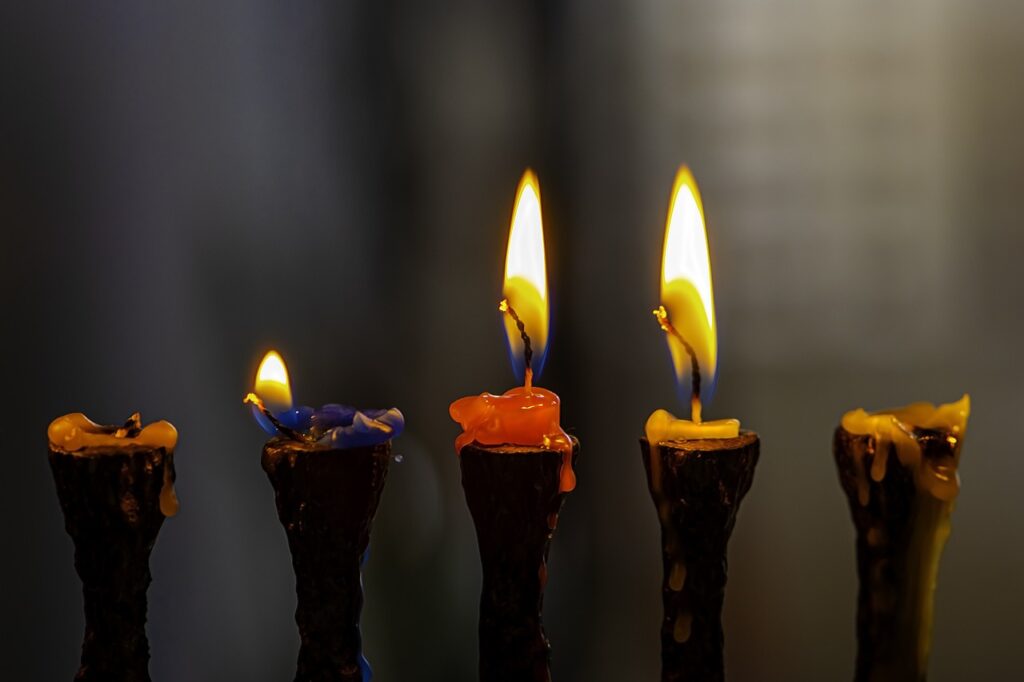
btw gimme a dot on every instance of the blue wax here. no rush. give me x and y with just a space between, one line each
341 426
369 427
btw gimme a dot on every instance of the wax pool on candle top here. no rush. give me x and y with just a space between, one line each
662 426
332 426
76 434
526 416
901 427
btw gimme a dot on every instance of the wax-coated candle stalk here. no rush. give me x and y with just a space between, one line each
697 486
326 500
901 487
328 467
115 497
514 495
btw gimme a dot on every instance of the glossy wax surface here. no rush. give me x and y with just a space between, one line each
901 427
663 426
527 416
75 432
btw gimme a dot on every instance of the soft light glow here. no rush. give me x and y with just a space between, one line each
526 281
686 291
272 384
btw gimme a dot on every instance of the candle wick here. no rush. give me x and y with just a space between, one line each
507 308
132 427
253 399
662 316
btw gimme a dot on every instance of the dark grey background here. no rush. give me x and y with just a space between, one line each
182 188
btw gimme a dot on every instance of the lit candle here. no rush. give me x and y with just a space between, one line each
517 464
328 467
898 469
115 485
331 426
698 471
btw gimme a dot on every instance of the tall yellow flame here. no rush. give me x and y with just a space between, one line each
686 291
526 280
272 385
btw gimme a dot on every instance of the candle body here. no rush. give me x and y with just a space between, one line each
326 500
899 472
112 503
697 486
514 495
525 416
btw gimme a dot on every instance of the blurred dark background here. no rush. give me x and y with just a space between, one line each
183 187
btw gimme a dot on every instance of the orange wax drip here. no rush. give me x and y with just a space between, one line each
526 416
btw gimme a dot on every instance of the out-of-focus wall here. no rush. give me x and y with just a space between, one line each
182 188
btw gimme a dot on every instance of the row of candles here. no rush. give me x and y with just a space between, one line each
328 466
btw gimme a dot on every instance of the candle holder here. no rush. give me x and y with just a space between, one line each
326 500
111 499
514 495
902 526
697 486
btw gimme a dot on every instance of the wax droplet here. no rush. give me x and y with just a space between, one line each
681 630
677 578
875 536
168 496
542 574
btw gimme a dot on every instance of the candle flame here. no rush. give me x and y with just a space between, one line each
526 284
686 291
272 385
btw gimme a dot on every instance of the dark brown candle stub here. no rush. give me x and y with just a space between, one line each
110 497
326 500
514 495
697 486
115 485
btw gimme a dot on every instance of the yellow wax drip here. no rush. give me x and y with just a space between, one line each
75 433
897 427
932 511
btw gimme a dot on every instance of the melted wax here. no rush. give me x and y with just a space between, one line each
524 416
76 433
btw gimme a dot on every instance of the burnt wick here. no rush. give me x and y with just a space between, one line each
253 399
662 316
507 308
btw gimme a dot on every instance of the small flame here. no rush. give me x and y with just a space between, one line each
526 282
272 385
686 291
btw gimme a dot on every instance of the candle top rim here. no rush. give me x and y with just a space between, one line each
947 417
282 442
518 448
75 433
710 443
